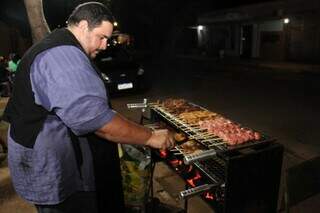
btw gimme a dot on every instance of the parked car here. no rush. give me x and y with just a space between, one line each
120 72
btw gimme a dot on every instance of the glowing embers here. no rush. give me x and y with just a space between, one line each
180 167
163 153
176 163
194 181
209 196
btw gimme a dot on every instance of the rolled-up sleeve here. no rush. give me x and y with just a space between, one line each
64 82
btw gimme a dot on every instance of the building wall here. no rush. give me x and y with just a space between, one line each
272 46
217 38
271 39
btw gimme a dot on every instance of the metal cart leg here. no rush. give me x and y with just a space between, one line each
186 200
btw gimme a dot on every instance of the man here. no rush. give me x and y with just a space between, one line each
58 109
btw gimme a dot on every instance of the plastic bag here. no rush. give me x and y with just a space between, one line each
136 174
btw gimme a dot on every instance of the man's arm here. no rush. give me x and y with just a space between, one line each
121 130
70 95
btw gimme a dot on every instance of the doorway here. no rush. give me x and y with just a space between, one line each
246 41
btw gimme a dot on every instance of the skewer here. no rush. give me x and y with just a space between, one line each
204 137
216 144
179 153
192 130
196 129
212 139
207 134
194 125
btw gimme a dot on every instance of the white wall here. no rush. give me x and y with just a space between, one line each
276 25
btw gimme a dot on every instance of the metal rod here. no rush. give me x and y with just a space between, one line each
199 156
196 190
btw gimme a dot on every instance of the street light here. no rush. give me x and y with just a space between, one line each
286 20
200 27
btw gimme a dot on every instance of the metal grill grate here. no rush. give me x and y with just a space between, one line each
209 140
193 131
214 168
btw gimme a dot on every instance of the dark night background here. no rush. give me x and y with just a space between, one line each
153 24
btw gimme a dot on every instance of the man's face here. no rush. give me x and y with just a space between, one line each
95 40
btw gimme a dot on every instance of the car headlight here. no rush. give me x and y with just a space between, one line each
106 78
140 71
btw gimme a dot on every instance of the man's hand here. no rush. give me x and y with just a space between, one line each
161 139
121 130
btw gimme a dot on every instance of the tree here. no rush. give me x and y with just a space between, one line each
37 21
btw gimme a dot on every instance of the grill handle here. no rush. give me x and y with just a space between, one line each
196 190
199 156
138 105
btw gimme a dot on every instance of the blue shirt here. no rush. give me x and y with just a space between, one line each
63 81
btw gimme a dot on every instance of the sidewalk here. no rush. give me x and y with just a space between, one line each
279 66
258 64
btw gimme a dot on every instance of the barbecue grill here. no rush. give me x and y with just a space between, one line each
241 178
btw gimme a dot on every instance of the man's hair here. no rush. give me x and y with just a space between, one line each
93 12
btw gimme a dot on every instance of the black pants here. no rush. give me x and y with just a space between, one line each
80 202
107 175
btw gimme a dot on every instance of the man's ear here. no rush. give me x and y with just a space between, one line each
83 24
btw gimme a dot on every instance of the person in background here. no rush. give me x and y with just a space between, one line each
63 135
4 78
5 92
14 60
